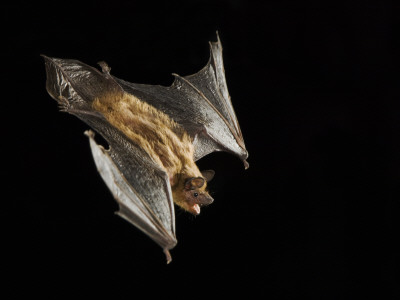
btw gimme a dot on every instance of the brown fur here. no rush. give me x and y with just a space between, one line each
165 141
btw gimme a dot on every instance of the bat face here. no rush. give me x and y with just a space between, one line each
195 199
190 194
155 135
195 194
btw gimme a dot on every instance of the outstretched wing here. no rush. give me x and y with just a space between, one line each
201 104
138 184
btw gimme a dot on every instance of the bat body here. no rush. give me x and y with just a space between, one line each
165 141
155 135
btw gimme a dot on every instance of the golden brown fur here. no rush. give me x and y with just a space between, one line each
166 142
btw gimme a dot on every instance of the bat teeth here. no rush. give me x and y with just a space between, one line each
196 208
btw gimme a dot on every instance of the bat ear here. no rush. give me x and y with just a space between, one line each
208 174
194 182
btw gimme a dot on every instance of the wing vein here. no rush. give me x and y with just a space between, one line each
233 131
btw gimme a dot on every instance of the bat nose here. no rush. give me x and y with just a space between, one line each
206 200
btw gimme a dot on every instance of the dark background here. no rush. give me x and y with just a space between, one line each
316 91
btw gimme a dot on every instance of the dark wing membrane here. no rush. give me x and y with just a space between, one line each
201 104
140 187
211 83
75 85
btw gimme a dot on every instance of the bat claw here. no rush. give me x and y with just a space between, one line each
89 133
104 67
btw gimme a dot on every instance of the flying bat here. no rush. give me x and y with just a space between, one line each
155 134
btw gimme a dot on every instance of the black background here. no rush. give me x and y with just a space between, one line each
316 91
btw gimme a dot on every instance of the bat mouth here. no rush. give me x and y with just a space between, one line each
194 209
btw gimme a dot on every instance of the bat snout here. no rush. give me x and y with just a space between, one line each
205 200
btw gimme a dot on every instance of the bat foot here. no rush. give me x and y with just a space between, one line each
167 255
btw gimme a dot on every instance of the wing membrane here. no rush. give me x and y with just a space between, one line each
142 202
201 104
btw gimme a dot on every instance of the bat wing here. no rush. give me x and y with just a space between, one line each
201 104
138 184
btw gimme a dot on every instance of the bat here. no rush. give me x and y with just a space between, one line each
155 135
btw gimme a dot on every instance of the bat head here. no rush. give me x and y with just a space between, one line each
195 194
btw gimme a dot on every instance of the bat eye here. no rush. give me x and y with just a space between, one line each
195 194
